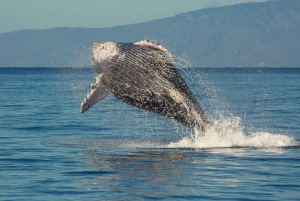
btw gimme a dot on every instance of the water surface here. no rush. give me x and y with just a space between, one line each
49 150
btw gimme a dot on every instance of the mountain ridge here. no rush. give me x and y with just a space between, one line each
264 34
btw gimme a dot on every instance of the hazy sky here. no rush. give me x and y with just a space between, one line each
44 14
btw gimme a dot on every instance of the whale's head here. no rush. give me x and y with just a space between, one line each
103 51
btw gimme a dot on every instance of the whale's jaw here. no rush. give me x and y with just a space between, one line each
97 53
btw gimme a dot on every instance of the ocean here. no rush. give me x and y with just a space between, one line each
50 151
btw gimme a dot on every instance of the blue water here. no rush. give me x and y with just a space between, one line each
49 150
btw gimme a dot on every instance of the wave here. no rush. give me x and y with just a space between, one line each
225 133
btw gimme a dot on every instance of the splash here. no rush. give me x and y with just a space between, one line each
228 133
225 132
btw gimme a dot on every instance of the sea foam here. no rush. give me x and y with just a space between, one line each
228 132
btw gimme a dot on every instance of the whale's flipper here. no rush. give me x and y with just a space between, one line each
97 93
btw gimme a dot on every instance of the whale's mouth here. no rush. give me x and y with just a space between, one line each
103 51
96 48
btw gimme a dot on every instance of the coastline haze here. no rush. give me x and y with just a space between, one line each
31 14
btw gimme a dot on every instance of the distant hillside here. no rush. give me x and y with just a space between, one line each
245 35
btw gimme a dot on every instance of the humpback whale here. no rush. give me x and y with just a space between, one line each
142 75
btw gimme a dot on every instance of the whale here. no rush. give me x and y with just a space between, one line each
142 74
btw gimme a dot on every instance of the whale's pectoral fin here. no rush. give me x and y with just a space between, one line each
97 93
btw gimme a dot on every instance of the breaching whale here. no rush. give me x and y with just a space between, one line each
142 75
